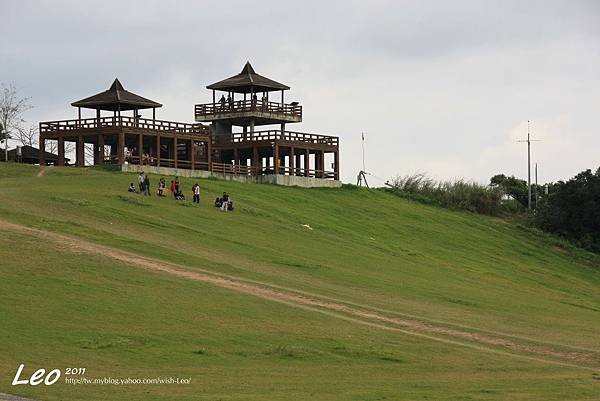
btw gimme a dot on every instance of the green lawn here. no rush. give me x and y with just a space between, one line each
59 308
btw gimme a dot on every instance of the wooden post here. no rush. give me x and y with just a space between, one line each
121 148
209 151
42 155
192 153
97 118
236 161
175 152
100 149
140 148
306 162
276 157
79 151
322 163
292 161
61 150
336 164
79 116
255 160
158 151
153 115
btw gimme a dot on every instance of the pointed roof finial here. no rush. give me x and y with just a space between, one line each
248 69
117 85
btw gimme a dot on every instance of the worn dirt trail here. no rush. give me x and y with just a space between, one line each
531 350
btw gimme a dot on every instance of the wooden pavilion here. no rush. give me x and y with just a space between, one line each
117 138
271 151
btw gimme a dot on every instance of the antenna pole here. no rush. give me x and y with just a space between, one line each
363 150
528 168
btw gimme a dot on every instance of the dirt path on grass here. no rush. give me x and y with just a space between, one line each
364 315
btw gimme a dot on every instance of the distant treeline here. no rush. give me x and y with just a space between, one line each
570 209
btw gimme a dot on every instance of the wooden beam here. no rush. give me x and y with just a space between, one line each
292 161
209 151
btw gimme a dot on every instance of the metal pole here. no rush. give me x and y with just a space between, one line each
528 172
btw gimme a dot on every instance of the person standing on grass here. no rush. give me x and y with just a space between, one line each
146 185
161 187
141 181
196 192
172 188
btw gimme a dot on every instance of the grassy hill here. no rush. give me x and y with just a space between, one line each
300 294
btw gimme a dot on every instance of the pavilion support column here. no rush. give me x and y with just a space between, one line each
255 160
175 152
276 157
192 153
209 151
292 161
252 128
96 154
158 151
61 150
236 160
80 153
42 151
307 162
336 164
140 147
121 148
100 149
320 162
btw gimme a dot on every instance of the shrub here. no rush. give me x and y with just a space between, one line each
459 194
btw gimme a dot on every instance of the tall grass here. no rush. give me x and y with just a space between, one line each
459 194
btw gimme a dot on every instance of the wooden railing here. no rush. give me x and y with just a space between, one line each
272 135
122 122
228 168
209 109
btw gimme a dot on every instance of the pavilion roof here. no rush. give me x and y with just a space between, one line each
116 98
248 81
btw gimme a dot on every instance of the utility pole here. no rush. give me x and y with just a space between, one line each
536 187
529 140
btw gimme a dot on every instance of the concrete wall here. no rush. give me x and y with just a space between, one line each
286 180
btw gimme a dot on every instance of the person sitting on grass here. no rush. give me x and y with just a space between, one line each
225 202
132 188
218 202
179 196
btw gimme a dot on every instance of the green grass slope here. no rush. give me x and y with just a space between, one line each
363 248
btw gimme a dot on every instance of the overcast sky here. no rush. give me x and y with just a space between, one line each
444 87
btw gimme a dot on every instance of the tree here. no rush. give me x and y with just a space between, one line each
28 137
11 113
512 186
572 209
